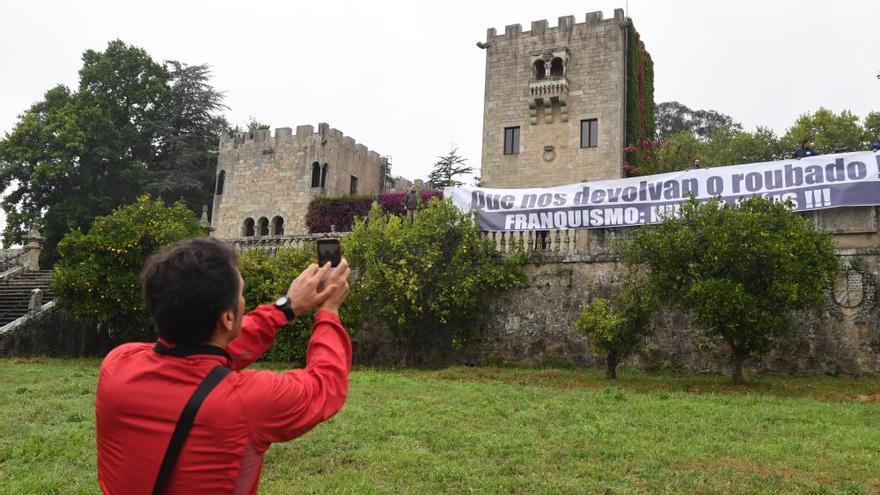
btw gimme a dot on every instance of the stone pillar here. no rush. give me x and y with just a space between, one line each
36 301
206 225
31 256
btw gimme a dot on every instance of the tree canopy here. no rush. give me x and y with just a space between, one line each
96 277
426 280
673 117
131 126
618 325
717 140
447 168
738 268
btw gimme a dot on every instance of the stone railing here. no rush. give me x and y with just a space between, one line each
544 245
561 245
273 243
549 87
36 309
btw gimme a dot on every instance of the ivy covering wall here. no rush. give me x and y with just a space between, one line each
639 93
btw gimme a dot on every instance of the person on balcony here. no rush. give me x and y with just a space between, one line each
411 203
806 149
875 146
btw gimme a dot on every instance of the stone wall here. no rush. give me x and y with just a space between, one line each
535 325
549 117
269 176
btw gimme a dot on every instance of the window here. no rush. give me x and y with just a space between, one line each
263 223
589 133
540 69
316 175
556 67
324 170
354 185
511 140
277 226
221 178
248 228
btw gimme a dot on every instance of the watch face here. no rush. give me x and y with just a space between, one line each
282 301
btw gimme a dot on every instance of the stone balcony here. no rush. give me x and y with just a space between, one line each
548 88
544 94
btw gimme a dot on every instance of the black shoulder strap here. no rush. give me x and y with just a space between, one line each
184 424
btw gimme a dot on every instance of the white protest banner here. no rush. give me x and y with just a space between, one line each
825 181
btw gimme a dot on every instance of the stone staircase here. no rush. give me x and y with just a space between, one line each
15 293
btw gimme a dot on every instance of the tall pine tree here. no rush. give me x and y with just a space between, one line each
446 170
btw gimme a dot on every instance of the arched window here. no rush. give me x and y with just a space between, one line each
248 229
221 178
316 174
556 67
277 226
263 224
324 170
540 69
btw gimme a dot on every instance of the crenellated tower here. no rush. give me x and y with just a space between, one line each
555 106
265 182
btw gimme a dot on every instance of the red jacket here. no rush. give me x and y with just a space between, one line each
141 394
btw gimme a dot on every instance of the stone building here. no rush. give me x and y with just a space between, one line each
265 182
402 184
555 109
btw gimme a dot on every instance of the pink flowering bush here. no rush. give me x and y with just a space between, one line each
340 212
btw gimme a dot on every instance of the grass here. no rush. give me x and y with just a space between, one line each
498 430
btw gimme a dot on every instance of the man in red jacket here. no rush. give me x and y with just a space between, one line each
193 292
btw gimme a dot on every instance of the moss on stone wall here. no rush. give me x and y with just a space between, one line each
639 92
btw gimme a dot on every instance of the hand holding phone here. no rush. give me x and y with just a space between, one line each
329 250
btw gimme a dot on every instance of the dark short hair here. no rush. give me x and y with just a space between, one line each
187 286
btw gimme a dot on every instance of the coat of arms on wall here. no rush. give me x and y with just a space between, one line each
549 154
849 289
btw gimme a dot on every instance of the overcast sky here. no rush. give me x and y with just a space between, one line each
406 79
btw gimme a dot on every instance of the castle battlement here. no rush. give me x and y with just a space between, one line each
263 139
266 179
564 23
555 95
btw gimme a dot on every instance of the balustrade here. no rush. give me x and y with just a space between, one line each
564 243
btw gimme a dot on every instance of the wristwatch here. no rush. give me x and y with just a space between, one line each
283 303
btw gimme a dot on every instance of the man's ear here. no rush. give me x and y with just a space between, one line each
226 322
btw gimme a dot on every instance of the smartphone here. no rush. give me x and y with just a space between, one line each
329 250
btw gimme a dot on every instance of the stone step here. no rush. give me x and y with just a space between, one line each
15 293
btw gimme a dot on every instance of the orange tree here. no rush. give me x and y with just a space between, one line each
426 281
738 268
97 277
618 325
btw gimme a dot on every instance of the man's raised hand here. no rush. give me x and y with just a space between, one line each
337 284
303 292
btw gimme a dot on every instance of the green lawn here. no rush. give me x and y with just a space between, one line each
496 430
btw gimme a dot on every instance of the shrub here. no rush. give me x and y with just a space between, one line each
392 202
337 212
617 326
426 281
96 278
267 278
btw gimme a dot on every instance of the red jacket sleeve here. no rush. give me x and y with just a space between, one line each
283 406
258 330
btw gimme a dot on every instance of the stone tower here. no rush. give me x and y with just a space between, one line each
555 102
265 182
